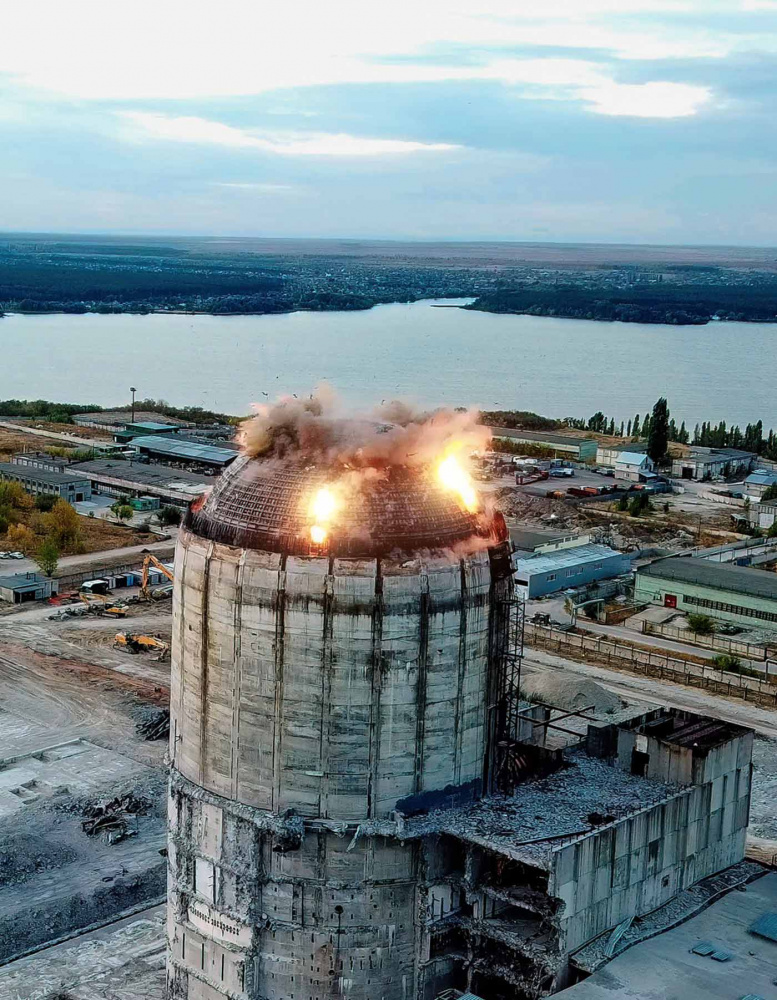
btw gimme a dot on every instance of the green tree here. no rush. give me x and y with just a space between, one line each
169 516
635 427
658 437
123 511
45 502
701 624
770 493
772 532
623 503
47 557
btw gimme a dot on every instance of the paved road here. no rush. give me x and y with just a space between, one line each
71 439
631 686
9 567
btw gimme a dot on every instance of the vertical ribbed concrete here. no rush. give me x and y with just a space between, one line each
310 694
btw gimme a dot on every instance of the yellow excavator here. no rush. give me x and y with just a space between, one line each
136 643
108 607
151 560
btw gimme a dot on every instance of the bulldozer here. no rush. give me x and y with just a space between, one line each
138 643
145 594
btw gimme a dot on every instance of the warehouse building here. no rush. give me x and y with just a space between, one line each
550 572
23 587
576 448
176 487
71 486
183 453
762 515
41 460
706 463
607 454
758 482
720 589
531 541
142 428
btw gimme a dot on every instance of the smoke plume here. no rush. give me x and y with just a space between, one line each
317 430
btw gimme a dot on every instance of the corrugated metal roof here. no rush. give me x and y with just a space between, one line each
540 437
550 562
176 447
632 458
718 576
762 477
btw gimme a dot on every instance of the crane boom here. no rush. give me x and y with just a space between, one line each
151 560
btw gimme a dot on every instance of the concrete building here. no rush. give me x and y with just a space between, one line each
533 541
342 714
142 428
548 573
706 463
176 487
607 454
112 420
762 515
720 589
186 454
41 460
22 587
634 466
580 449
70 486
758 482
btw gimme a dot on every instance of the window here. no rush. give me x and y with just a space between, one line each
732 609
550 577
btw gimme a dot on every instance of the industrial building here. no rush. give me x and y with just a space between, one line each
607 454
762 515
184 453
758 482
707 463
41 460
634 467
113 420
548 573
721 589
142 428
360 804
531 541
116 478
22 587
580 449
71 486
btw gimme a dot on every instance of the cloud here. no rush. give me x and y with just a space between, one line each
202 131
646 100
260 187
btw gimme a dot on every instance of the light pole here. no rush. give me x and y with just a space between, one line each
133 390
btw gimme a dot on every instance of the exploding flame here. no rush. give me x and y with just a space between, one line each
454 477
322 508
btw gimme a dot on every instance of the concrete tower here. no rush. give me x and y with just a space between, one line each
314 688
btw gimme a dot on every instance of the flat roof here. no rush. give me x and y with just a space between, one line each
664 965
182 448
149 425
530 538
22 581
718 576
540 436
761 477
137 474
40 475
700 453
542 814
550 562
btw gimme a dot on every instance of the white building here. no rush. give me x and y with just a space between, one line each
607 454
633 466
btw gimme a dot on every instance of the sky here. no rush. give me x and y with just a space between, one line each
636 121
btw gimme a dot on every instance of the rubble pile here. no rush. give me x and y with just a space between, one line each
114 817
154 724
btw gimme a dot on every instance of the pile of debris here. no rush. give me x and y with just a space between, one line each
154 724
114 818
530 509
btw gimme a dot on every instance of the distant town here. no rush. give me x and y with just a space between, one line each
108 275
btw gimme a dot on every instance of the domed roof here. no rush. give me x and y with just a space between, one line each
266 505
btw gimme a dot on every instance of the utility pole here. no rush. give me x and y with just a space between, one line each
133 390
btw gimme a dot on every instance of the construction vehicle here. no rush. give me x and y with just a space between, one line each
142 644
102 605
151 560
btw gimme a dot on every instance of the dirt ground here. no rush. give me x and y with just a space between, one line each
97 535
12 442
81 432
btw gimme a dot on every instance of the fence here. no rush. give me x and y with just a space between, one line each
753 651
651 663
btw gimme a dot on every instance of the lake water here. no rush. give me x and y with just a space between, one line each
425 354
